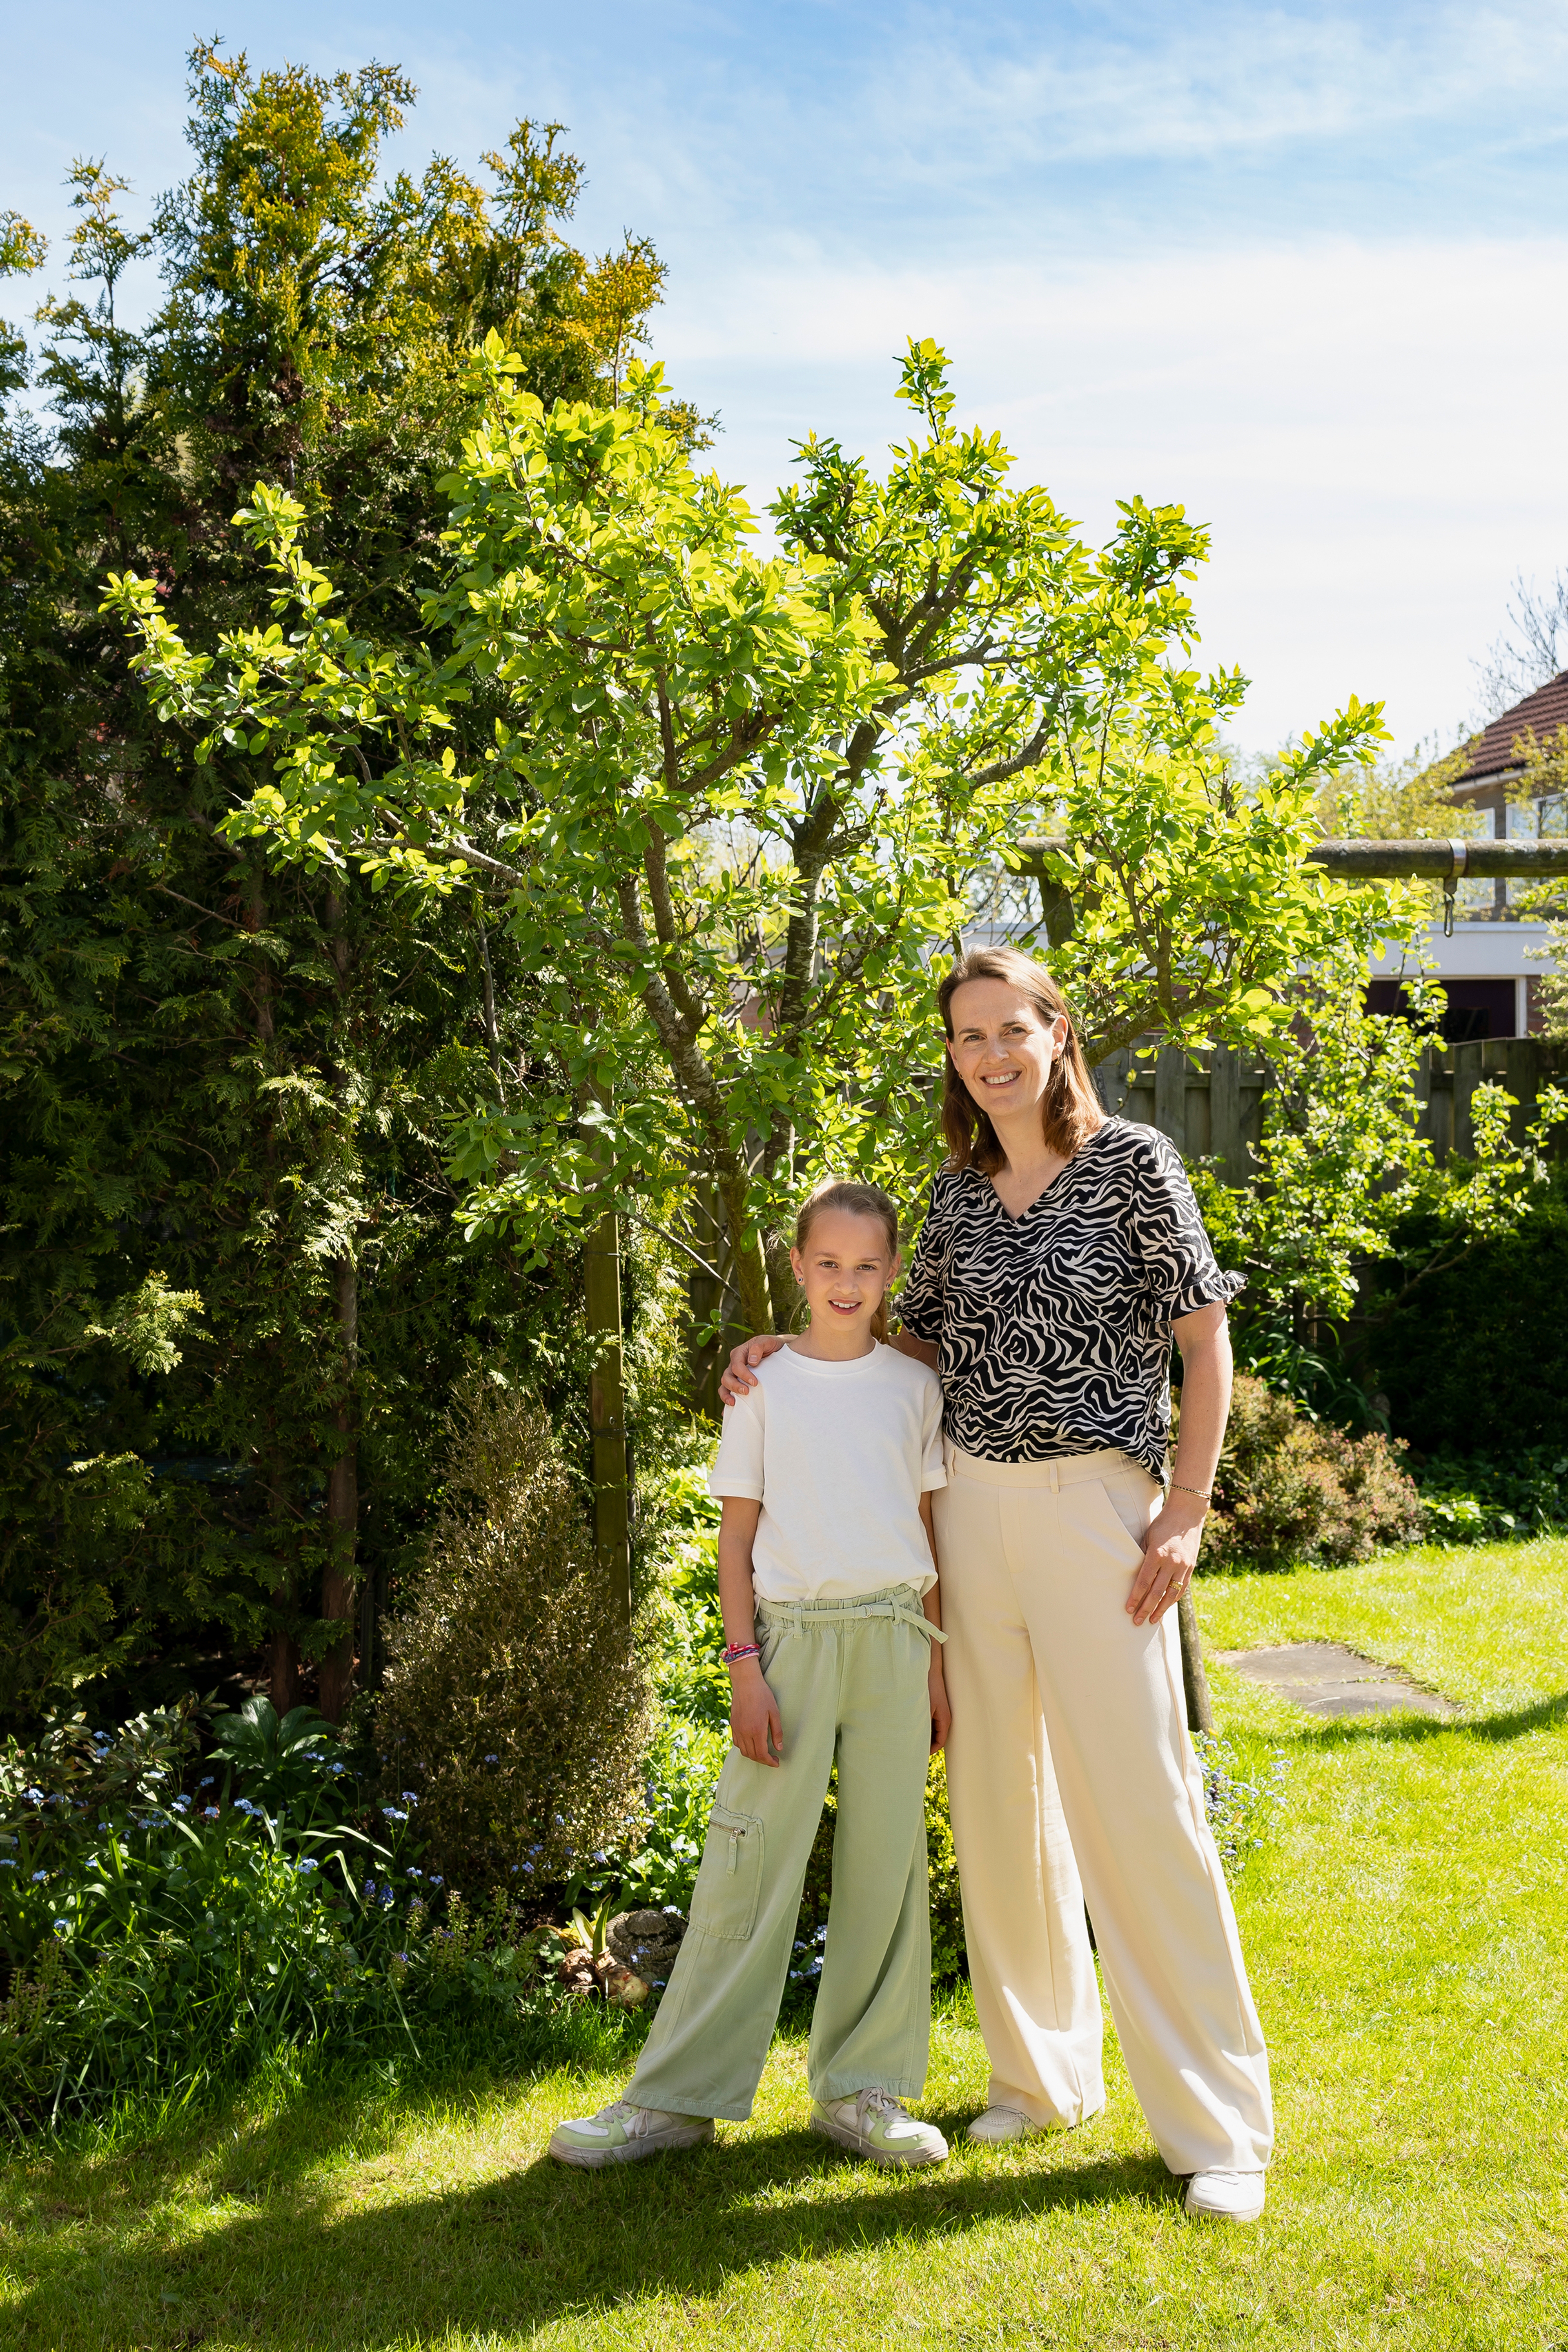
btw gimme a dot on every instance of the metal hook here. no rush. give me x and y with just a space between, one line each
1459 863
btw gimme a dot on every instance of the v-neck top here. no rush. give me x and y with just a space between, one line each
1053 1327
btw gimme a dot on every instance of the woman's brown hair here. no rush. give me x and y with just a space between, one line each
859 1201
1070 1111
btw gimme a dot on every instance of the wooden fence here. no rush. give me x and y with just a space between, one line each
1211 1104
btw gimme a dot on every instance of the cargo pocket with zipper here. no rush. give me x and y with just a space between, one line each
729 1881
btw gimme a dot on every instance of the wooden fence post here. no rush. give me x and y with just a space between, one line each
607 1411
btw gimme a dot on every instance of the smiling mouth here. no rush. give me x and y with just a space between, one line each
845 1305
1003 1078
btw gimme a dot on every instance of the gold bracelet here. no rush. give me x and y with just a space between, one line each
1204 1494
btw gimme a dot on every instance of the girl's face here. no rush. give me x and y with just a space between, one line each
1001 1048
844 1270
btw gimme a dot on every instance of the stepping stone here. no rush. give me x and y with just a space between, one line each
1327 1679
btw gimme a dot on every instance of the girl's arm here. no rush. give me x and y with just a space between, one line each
941 1712
754 1715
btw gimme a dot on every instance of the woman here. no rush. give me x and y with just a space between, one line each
1060 1252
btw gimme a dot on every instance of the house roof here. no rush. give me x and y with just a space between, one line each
1491 753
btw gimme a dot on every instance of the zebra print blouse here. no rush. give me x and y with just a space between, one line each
1054 1329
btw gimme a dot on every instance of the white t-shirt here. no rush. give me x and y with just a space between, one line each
838 1455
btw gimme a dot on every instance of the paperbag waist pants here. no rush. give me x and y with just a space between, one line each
850 1679
1071 1776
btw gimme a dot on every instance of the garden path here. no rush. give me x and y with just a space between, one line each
1328 1679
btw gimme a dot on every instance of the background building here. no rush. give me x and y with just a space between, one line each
1516 771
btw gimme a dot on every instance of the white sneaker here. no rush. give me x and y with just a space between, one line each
622 2133
1225 2196
874 2124
999 2123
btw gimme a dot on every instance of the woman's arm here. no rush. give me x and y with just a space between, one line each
1171 1547
936 1680
753 1710
740 1373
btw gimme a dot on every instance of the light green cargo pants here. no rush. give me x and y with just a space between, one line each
850 1680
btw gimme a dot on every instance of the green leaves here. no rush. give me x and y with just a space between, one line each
736 805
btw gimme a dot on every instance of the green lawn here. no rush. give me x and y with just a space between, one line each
1405 1928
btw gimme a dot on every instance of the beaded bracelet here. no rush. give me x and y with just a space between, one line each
736 1651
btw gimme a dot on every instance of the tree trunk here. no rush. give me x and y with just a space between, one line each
283 1660
338 1587
781 1290
283 1649
339 1590
607 1413
750 1274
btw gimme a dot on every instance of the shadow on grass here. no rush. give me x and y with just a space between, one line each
518 2252
1515 1723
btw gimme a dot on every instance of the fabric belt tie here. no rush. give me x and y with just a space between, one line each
803 1616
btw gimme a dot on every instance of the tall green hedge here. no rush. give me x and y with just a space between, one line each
1475 1361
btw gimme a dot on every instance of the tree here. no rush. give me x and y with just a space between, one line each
753 794
230 1080
1528 653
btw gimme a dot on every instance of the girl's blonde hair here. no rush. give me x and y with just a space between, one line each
858 1201
1070 1111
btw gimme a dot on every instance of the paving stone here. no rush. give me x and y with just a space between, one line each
1328 1679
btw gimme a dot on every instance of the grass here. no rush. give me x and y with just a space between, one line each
1406 1930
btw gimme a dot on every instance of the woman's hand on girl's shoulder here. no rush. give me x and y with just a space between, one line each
739 1374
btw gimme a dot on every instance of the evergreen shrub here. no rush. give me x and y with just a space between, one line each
1290 1489
514 1702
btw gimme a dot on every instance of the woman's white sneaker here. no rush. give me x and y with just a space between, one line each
999 2123
1225 2196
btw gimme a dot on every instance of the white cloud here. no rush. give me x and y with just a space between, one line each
1167 84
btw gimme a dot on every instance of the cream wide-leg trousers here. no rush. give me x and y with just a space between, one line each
1071 1778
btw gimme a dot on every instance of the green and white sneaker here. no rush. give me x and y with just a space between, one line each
874 2124
622 2133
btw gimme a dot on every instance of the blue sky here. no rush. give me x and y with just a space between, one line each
1302 268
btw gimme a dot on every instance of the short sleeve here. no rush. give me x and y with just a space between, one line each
1178 1257
738 1464
933 1466
922 1297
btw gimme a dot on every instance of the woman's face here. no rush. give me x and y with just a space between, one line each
1001 1048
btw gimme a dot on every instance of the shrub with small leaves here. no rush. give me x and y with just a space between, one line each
515 1704
1291 1488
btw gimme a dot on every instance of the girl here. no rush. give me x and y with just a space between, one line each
827 1581
1062 1252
